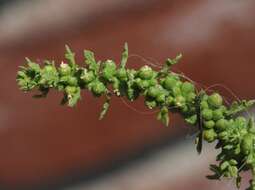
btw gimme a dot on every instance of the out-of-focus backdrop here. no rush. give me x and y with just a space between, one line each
47 146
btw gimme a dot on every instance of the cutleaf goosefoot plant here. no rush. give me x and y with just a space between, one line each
163 90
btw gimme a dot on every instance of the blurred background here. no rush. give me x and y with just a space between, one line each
46 146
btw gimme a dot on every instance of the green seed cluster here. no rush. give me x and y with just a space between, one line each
163 90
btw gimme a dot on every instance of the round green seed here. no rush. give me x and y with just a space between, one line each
215 100
207 114
204 104
176 91
153 91
153 82
98 88
190 97
169 83
169 100
187 87
71 90
217 114
161 98
209 135
146 72
221 124
72 81
223 135
144 84
180 101
209 124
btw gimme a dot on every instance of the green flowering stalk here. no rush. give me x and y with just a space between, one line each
163 90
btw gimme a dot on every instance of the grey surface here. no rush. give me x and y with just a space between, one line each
167 166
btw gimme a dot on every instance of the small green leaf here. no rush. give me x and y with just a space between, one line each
73 95
163 116
105 108
70 56
169 62
216 172
224 165
238 181
228 147
192 120
251 125
91 61
33 66
124 56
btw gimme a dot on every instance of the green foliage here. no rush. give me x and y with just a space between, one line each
163 90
